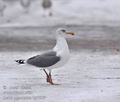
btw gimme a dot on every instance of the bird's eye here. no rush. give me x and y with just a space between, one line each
63 30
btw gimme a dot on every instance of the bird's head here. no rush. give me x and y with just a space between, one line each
63 31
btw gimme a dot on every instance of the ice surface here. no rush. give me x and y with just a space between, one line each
87 77
90 76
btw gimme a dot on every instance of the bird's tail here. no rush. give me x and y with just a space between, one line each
20 61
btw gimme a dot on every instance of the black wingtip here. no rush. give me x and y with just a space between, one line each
20 61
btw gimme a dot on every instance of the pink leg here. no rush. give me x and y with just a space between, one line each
46 75
49 77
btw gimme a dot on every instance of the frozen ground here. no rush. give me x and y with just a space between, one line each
87 77
93 72
91 75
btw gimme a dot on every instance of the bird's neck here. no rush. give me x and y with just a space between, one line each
61 44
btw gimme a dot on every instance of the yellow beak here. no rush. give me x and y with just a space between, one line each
70 33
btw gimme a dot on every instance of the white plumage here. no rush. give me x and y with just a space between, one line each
55 58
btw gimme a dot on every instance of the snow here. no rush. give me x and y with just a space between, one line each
91 75
87 77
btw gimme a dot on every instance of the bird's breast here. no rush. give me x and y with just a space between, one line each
64 57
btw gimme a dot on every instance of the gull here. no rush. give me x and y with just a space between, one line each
47 5
55 58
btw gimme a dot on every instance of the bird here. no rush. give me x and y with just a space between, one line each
3 6
54 58
26 5
47 5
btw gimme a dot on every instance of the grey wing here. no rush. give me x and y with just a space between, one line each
45 60
47 3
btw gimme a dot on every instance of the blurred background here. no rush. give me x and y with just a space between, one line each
26 23
36 12
27 28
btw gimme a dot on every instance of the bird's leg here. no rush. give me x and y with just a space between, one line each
50 79
46 75
50 12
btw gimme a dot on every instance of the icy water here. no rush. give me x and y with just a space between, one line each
91 75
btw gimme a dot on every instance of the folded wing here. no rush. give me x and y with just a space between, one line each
44 60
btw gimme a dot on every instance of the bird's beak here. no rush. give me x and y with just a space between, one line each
70 33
